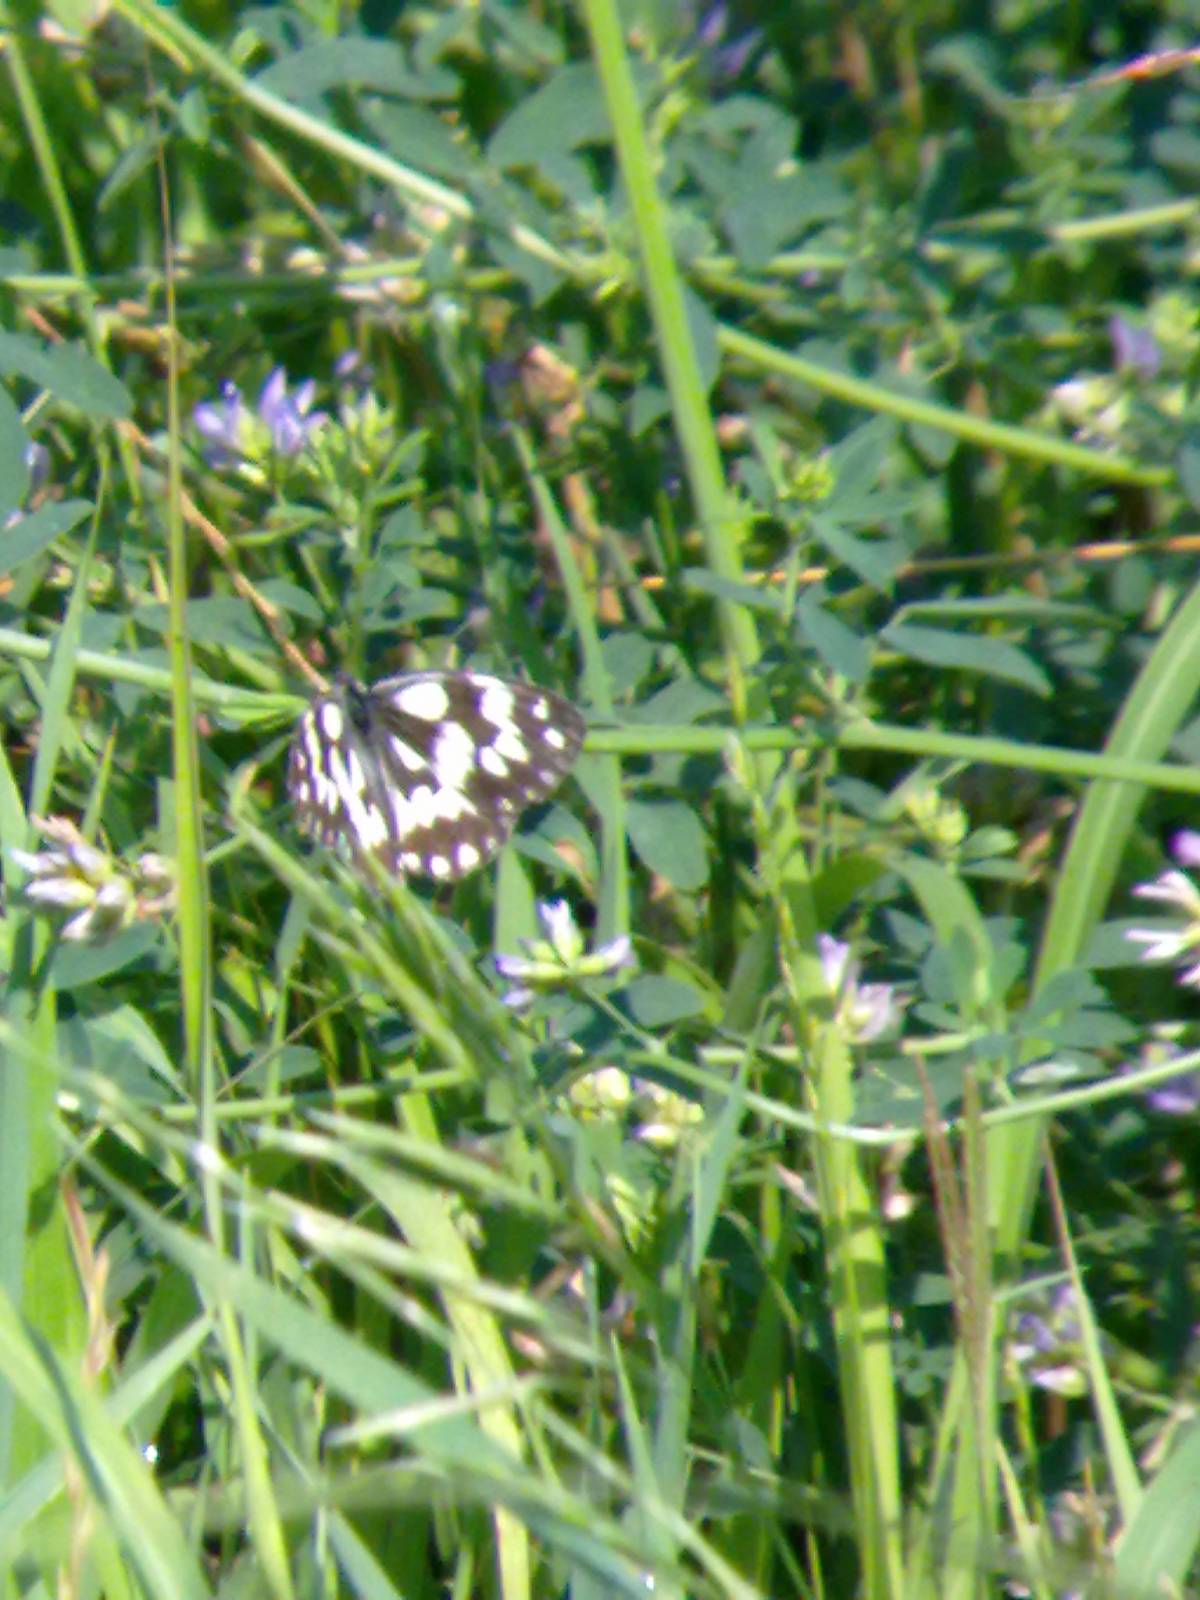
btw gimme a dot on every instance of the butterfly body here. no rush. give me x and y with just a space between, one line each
428 773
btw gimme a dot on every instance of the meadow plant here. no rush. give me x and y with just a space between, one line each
706 496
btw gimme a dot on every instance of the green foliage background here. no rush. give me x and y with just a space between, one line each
810 393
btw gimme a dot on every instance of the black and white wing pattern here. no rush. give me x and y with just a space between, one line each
428 773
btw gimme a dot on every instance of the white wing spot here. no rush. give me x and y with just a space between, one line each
493 762
540 708
453 756
468 857
370 824
432 806
555 738
439 867
411 760
454 803
355 774
410 861
329 717
509 744
325 792
425 698
496 702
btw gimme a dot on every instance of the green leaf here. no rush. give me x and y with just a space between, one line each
701 581
14 447
217 620
68 372
684 699
418 137
875 561
336 63
290 597
76 964
1159 1545
703 328
40 528
668 837
647 404
1025 607
132 163
841 649
15 263
656 1002
123 1047
993 658
628 657
771 209
1189 473
539 278
566 112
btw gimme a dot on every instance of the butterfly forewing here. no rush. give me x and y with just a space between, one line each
428 773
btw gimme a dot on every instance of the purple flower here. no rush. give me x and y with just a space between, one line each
37 466
560 957
223 424
1134 349
106 895
724 52
867 1010
1180 1097
1046 1342
354 372
287 415
1176 940
235 434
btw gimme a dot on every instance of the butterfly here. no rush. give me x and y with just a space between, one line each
428 773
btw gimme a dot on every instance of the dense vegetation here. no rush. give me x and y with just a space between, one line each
778 1174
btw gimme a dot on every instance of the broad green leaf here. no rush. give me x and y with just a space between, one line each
14 449
1189 473
338 63
669 839
129 168
684 699
217 620
628 657
121 1045
1178 148
654 1002
703 328
40 528
290 597
841 649
648 403
1157 1550
769 209
124 1497
1025 607
77 964
567 111
68 372
702 581
967 652
418 137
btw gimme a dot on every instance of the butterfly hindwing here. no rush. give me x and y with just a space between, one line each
429 772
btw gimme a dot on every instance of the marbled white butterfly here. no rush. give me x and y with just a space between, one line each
428 773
